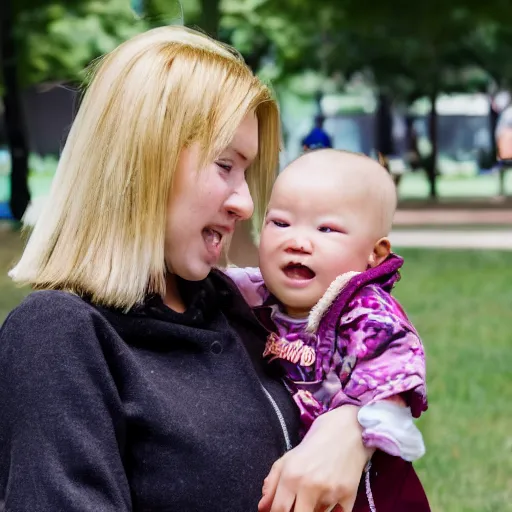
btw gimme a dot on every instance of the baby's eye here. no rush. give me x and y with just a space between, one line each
327 229
280 224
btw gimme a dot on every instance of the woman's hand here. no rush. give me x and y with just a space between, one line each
323 471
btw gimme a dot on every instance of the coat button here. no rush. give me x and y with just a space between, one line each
216 347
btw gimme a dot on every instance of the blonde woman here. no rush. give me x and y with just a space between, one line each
132 378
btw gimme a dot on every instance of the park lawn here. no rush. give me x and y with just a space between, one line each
10 249
461 302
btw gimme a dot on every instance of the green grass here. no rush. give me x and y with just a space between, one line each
38 184
414 185
10 249
461 303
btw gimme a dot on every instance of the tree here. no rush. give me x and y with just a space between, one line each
58 40
16 134
490 46
157 13
44 41
409 50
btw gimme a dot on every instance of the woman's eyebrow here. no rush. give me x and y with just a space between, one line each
242 154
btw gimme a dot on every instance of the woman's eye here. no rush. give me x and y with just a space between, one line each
280 224
225 167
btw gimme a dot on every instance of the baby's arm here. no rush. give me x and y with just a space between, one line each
390 428
250 284
383 369
380 353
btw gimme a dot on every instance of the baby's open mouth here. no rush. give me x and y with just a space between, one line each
298 271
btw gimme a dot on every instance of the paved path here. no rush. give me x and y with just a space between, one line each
459 217
451 239
438 228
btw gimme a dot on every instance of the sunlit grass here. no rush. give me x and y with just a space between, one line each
461 302
10 249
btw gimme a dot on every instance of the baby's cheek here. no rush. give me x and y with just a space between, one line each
336 265
265 248
268 272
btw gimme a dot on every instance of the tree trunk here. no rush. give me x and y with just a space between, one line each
493 122
384 143
14 122
319 95
259 52
432 162
210 17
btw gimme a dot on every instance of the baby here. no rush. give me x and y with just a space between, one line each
323 290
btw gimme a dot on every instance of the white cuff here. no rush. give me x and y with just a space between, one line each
390 428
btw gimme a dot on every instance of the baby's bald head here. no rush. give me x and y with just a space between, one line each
361 184
330 212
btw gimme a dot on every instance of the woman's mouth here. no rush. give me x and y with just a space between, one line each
213 241
298 272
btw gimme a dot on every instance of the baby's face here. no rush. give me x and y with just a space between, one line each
317 227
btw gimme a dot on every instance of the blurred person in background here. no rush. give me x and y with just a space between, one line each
317 138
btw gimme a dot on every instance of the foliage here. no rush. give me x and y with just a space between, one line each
406 48
57 40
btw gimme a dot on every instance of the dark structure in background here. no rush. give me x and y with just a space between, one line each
48 111
384 143
15 133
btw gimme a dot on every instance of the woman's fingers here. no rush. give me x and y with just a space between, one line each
270 486
324 469
284 499
309 502
346 505
294 486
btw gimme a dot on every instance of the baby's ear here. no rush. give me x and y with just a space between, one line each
381 251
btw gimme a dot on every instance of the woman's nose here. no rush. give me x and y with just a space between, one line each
240 203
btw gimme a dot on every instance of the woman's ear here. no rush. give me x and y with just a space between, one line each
381 250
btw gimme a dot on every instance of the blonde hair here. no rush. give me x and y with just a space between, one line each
102 232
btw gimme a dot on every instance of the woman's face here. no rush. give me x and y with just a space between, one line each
206 203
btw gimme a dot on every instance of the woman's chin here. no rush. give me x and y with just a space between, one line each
196 272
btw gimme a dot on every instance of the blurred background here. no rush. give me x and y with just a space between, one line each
424 85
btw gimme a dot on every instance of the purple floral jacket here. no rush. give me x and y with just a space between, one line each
356 347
